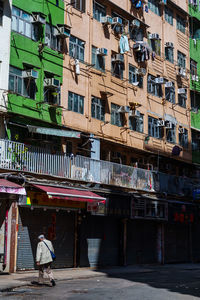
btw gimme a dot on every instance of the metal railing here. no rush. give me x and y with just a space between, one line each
20 157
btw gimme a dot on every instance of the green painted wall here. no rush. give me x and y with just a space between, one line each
25 50
195 86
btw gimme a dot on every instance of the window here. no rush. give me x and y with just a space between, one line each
169 15
153 88
52 95
153 129
78 4
183 138
98 11
118 28
136 123
195 100
51 38
182 100
1 12
20 85
180 23
117 65
116 117
136 34
181 59
193 67
195 140
76 48
22 23
98 60
75 103
171 134
169 54
153 5
155 45
134 77
98 109
170 93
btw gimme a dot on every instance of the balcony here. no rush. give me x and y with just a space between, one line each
16 156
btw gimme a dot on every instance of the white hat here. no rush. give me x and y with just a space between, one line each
41 236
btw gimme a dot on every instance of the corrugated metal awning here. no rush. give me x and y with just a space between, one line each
11 187
69 194
54 132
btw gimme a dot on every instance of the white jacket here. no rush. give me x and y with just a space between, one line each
43 255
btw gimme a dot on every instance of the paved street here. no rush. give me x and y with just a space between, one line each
157 284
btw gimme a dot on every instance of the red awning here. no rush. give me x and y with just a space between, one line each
11 187
69 194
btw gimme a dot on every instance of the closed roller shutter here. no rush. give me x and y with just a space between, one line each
57 226
99 241
141 242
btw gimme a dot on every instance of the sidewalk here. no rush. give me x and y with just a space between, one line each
10 281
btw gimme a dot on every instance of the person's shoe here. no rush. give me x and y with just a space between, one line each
53 282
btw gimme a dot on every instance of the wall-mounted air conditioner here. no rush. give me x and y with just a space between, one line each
106 20
154 36
141 71
38 18
195 78
168 84
134 114
124 109
32 74
168 125
169 45
159 80
117 21
135 23
161 123
181 130
118 58
182 91
102 51
51 82
64 31
182 72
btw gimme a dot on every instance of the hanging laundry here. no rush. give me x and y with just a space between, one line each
146 8
123 44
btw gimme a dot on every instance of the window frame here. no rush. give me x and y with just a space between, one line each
183 139
153 129
80 107
171 138
99 105
193 67
137 124
98 60
169 54
79 5
116 67
172 94
154 6
181 59
98 14
154 88
76 47
133 73
53 41
116 117
180 23
169 15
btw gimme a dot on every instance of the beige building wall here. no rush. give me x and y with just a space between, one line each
92 82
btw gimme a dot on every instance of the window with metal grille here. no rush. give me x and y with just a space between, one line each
181 59
153 129
183 138
180 23
171 134
78 4
116 116
137 123
20 85
170 94
169 54
99 10
169 15
76 48
75 103
98 60
154 88
134 77
22 23
98 108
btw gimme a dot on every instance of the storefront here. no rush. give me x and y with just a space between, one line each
55 212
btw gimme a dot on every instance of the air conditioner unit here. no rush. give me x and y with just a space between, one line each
169 45
117 21
141 71
168 84
38 18
161 123
168 125
118 58
181 91
135 23
181 130
64 31
182 72
154 36
52 83
195 110
32 74
124 109
106 20
134 114
195 78
102 51
137 47
159 80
